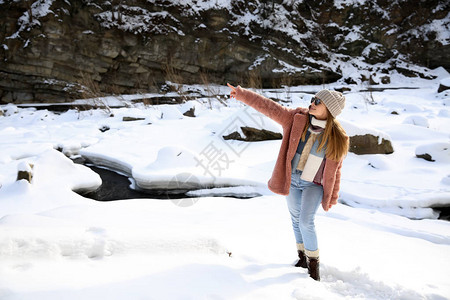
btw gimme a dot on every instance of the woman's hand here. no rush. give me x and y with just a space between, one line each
233 91
326 206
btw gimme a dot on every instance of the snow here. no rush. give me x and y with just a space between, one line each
417 120
441 28
445 81
353 129
39 9
138 20
339 4
24 167
381 241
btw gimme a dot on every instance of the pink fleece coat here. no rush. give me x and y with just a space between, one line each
293 121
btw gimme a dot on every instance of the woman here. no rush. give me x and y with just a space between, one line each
308 167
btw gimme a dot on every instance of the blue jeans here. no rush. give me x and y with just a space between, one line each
303 201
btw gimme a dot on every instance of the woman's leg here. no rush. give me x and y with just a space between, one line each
311 198
293 202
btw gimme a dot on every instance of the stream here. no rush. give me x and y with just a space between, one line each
116 186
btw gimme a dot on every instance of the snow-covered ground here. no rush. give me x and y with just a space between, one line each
382 241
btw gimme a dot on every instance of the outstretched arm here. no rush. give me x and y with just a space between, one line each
271 109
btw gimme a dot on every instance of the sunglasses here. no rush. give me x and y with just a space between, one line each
316 100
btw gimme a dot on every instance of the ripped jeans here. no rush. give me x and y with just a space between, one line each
303 202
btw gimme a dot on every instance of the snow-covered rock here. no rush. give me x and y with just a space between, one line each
25 171
54 175
10 109
417 120
439 152
364 140
170 112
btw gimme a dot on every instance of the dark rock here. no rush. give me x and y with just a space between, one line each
442 88
104 128
425 156
385 80
190 112
130 119
26 174
233 136
368 144
253 135
343 89
359 144
372 81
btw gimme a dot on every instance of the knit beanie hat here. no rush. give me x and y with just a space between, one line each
333 100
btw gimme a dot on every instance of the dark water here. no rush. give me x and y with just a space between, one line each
117 187
444 213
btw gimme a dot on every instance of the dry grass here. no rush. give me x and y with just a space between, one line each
92 92
210 90
255 80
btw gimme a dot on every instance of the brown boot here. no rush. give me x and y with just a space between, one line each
313 268
302 259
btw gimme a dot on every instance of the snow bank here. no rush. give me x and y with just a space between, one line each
178 168
409 207
238 191
55 177
170 112
445 81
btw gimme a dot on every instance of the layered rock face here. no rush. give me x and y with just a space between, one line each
57 50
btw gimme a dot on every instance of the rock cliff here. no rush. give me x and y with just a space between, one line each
57 50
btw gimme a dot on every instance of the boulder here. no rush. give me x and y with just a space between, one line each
365 140
369 144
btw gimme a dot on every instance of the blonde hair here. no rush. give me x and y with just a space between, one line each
335 138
